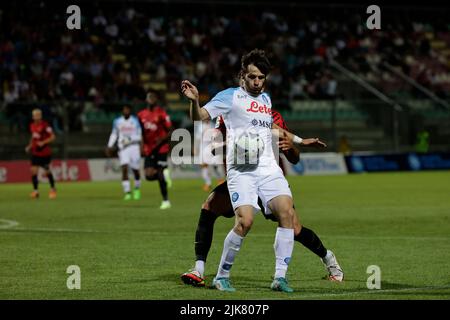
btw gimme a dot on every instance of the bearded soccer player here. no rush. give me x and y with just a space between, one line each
156 129
39 147
247 115
219 204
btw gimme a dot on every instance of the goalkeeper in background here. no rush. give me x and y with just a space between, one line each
127 133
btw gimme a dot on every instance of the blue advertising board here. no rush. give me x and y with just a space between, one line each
397 162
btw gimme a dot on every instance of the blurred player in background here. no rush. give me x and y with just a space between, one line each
204 132
41 154
218 204
127 133
156 126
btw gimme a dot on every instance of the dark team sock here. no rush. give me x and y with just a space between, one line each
35 181
204 234
51 180
163 186
311 240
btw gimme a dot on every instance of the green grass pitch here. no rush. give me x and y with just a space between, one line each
132 250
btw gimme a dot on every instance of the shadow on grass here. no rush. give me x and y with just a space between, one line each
256 284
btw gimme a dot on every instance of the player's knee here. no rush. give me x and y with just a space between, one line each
206 205
151 177
245 224
286 217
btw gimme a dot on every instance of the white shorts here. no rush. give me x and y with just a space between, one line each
265 183
130 156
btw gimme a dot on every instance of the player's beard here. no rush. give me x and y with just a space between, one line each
254 91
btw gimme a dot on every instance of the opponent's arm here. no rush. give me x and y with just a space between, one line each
195 112
288 148
50 139
297 141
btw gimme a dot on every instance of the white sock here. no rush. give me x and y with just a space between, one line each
205 176
137 184
328 256
231 246
166 174
200 267
284 244
126 186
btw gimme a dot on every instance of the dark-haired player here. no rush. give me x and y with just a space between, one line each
41 154
242 108
156 128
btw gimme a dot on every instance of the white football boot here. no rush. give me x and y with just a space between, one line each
335 272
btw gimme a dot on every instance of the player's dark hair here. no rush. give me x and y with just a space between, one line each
258 58
155 92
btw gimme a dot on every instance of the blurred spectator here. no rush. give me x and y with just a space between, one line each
122 49
422 141
344 145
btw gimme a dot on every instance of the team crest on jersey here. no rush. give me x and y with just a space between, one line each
235 196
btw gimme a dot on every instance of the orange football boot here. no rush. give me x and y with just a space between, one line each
34 194
52 194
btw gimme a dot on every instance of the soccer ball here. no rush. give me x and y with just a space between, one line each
248 149
126 140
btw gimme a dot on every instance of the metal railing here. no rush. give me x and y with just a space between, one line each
396 107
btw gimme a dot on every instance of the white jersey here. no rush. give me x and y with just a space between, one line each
126 131
243 113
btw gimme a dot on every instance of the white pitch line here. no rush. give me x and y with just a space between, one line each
376 291
7 224
12 224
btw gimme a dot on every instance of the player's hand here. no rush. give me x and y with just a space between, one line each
27 149
285 143
40 143
189 90
313 142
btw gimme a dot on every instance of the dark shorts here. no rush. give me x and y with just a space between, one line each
156 160
43 162
223 188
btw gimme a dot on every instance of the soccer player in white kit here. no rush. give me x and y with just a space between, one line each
127 133
204 133
246 110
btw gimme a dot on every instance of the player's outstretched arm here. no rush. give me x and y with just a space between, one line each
191 92
310 142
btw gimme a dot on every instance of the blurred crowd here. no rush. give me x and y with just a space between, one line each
121 49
